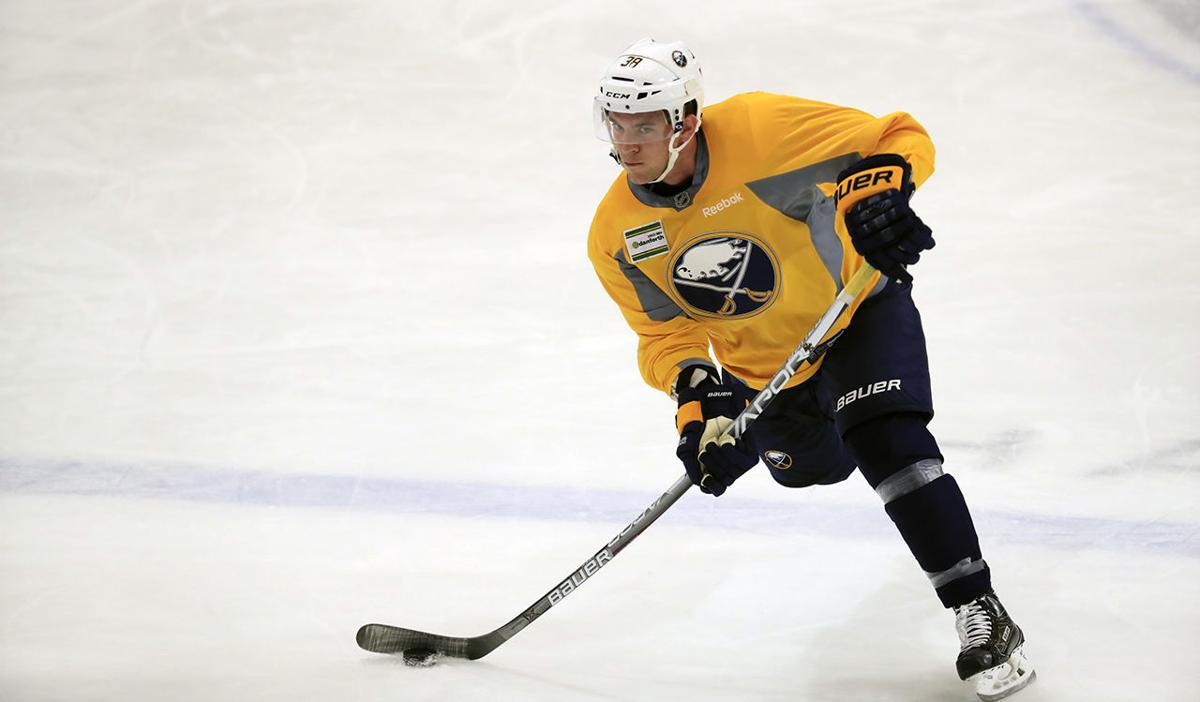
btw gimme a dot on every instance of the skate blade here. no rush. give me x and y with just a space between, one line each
1008 678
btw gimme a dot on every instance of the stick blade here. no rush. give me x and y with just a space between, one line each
382 638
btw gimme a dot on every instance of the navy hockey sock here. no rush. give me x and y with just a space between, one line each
900 459
937 527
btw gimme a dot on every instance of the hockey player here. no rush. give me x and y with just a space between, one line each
733 227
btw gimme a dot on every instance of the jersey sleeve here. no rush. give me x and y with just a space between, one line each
668 339
899 133
806 131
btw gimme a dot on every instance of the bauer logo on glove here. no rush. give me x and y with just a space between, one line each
872 198
710 454
875 180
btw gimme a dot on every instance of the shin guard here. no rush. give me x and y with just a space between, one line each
901 461
936 525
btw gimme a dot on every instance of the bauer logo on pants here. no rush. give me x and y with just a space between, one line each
725 275
867 391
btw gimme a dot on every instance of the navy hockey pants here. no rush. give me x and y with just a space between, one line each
877 367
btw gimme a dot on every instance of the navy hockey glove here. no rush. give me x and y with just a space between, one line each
872 197
706 408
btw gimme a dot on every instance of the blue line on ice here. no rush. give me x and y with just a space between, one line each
372 494
1122 35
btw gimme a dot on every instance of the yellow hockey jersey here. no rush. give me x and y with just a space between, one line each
751 254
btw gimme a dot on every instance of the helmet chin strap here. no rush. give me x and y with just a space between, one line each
673 153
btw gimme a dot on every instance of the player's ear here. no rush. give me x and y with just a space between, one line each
691 123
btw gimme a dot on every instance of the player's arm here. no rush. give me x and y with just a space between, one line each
832 131
673 357
668 340
900 134
825 139
801 133
873 194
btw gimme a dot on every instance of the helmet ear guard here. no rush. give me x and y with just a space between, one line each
690 107
673 150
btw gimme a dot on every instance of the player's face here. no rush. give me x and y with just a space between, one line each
641 141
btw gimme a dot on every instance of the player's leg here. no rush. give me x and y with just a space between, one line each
901 461
876 379
796 440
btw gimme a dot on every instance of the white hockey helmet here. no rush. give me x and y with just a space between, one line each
649 76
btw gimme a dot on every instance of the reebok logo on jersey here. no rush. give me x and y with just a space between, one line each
724 204
867 391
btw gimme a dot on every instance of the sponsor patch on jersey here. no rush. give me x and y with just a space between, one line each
725 275
778 459
646 241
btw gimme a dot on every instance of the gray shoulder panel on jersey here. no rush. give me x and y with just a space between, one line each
796 195
655 303
822 215
682 200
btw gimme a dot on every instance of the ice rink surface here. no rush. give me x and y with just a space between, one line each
297 332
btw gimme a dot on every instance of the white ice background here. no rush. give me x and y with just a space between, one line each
297 332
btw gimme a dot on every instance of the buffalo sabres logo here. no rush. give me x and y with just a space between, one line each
726 275
778 459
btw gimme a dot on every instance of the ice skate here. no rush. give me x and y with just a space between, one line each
992 655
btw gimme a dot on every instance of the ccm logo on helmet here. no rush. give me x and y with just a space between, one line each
618 96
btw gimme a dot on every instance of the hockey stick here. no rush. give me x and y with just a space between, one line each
382 638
